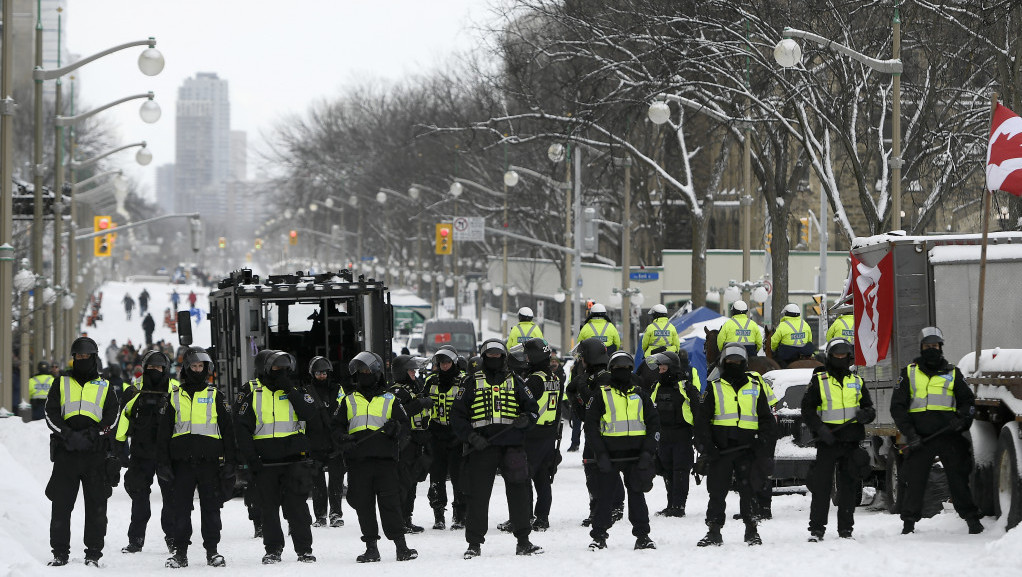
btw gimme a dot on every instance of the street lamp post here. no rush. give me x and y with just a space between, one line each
626 249
6 207
787 53
510 179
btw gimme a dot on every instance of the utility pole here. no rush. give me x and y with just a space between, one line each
626 250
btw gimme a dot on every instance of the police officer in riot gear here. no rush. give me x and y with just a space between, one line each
140 422
443 385
369 425
835 407
326 394
491 416
734 417
196 451
416 455
251 497
675 395
274 444
622 426
39 387
81 412
932 406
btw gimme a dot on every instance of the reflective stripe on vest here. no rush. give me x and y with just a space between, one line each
622 414
39 386
936 393
190 418
796 340
442 402
366 415
840 407
847 332
736 408
661 333
549 399
742 334
603 333
268 405
78 400
493 404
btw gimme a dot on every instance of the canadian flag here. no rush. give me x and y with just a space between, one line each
873 303
1004 155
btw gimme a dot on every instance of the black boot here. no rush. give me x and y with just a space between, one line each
975 527
372 554
505 527
319 522
712 537
815 536
438 518
134 545
598 543
908 527
644 542
178 560
336 520
526 547
474 550
403 552
412 527
170 544
752 535
457 519
57 561
272 557
214 559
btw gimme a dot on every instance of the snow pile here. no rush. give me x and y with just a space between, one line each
781 379
24 509
971 253
116 326
992 362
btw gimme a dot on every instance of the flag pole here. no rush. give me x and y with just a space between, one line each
987 194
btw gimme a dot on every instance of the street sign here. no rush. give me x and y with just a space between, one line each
470 228
369 258
643 275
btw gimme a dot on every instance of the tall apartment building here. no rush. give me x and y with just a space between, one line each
203 149
165 187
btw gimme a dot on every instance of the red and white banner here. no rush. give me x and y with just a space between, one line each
873 299
1004 154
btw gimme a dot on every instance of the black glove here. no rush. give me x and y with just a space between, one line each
825 435
912 442
113 470
228 471
390 428
427 401
864 417
255 464
960 424
603 463
478 441
522 422
709 453
646 461
165 473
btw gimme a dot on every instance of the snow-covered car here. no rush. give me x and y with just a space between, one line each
794 453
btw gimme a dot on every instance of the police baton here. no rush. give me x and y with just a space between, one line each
834 430
703 460
467 449
905 450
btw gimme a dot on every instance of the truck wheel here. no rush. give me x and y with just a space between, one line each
1007 483
981 481
893 486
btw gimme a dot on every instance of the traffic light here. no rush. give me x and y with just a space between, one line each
196 226
102 245
759 310
293 237
818 304
444 237
804 231
589 241
259 244
222 242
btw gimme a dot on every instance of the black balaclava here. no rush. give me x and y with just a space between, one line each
85 370
367 384
277 380
195 381
839 367
154 380
733 372
932 359
621 378
493 364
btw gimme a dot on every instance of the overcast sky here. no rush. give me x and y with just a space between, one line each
278 56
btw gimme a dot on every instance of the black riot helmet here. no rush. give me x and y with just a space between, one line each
285 361
404 363
517 360
839 346
42 367
669 359
446 355
320 365
156 359
84 346
621 360
475 364
930 335
592 351
366 361
494 355
537 351
260 362
197 355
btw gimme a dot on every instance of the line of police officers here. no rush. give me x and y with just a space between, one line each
500 411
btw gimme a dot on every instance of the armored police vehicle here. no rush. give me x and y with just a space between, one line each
333 315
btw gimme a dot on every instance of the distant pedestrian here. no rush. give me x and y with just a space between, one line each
148 325
113 353
191 299
143 302
175 299
129 305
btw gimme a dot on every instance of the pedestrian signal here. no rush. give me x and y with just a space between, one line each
444 238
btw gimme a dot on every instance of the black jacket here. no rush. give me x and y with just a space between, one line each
370 444
536 387
195 447
508 436
143 418
853 432
277 449
669 402
413 404
582 386
709 436
444 382
628 446
928 422
324 396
